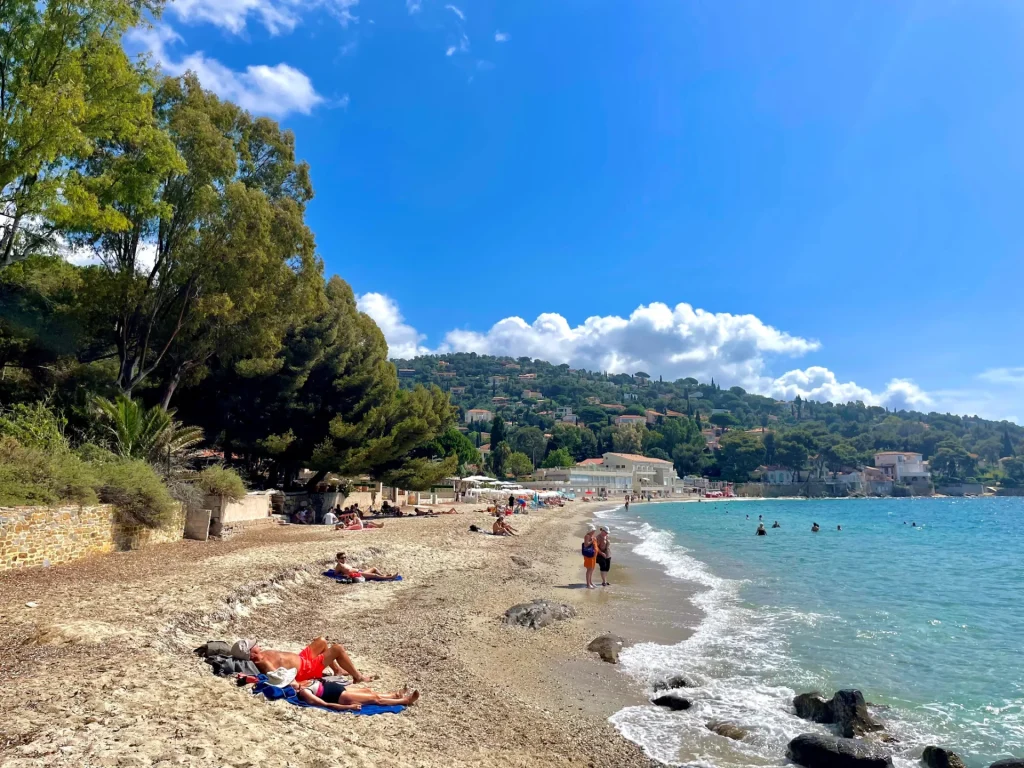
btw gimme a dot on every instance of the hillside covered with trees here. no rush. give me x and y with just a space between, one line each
701 427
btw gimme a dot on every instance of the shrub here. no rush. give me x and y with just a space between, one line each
35 426
136 490
31 476
222 481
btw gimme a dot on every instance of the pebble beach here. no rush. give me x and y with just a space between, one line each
100 670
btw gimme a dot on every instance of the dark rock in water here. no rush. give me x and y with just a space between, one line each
677 681
850 713
607 647
672 701
1010 762
538 614
727 729
846 709
815 750
812 706
936 757
522 562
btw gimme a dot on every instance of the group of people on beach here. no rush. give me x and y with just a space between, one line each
597 553
310 683
349 519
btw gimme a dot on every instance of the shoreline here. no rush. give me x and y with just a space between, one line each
491 694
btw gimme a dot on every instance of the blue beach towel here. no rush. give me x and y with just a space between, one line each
330 574
289 694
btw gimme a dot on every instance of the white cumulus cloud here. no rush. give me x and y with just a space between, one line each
457 11
403 340
821 384
680 341
277 90
276 15
501 37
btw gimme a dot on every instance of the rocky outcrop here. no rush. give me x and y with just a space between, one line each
676 681
816 750
606 646
726 729
813 707
1011 762
672 701
936 757
846 710
538 613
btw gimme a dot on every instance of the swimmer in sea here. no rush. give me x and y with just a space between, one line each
815 528
760 530
776 524
839 527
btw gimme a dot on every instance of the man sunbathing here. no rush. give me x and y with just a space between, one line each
309 663
501 528
356 523
326 693
341 567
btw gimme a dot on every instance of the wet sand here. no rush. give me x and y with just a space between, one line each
101 671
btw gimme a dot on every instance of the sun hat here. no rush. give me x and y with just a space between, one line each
242 649
604 528
281 677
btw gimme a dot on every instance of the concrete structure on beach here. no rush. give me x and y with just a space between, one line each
903 466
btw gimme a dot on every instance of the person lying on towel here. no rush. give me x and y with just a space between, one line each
343 568
309 663
333 695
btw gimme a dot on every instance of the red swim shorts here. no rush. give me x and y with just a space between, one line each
310 667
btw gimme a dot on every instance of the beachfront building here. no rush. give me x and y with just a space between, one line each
778 475
479 414
903 467
618 474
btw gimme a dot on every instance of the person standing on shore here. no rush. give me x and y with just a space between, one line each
604 554
627 503
589 557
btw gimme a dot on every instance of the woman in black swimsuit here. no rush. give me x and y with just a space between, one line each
342 697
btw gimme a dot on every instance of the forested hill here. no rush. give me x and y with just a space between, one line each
526 392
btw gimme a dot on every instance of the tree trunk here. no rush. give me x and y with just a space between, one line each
172 385
316 480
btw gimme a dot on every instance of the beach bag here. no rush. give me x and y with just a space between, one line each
588 551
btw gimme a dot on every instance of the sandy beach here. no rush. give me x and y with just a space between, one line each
101 671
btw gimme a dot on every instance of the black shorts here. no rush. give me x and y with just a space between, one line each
604 563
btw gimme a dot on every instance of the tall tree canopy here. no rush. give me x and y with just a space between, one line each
66 86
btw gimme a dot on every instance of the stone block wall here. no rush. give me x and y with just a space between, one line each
44 536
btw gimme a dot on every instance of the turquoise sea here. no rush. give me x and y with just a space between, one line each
926 619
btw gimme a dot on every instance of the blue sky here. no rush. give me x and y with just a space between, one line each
816 198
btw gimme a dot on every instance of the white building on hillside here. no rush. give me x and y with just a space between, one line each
478 414
903 467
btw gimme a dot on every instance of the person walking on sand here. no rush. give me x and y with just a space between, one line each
604 554
589 550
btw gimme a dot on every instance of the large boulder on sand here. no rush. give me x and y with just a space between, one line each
538 613
817 750
936 757
726 729
607 646
676 681
846 709
672 701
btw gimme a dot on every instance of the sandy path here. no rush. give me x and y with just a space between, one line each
100 672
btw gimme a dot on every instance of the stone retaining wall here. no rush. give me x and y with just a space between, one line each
34 536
